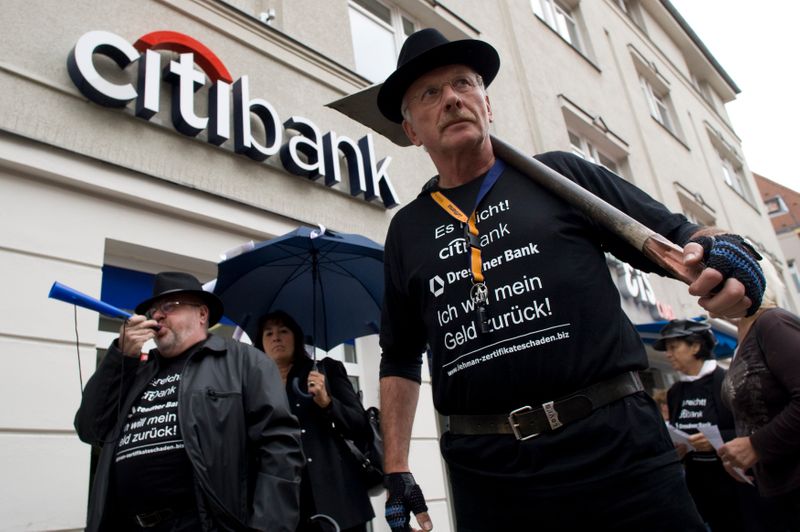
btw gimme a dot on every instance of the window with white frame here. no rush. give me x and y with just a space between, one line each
561 18
590 138
731 165
733 174
378 30
704 89
345 353
794 274
657 102
656 91
583 147
633 10
695 208
776 206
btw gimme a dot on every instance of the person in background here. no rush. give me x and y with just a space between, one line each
532 357
695 401
329 410
198 436
660 397
762 388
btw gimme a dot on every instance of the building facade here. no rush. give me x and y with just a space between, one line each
783 207
121 155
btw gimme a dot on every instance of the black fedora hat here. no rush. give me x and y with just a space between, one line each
174 283
425 50
685 328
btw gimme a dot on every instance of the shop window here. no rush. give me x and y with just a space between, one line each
378 30
561 17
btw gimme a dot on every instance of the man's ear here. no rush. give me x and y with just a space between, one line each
204 314
489 109
410 133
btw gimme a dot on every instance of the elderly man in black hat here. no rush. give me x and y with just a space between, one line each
197 435
531 355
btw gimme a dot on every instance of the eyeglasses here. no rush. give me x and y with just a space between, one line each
167 307
461 84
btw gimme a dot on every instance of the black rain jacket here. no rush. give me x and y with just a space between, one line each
238 431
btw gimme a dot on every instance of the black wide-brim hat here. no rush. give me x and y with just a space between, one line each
426 50
683 329
174 283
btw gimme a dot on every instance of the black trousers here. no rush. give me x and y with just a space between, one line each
657 501
185 522
715 494
788 509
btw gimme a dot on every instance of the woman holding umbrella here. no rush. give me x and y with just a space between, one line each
331 482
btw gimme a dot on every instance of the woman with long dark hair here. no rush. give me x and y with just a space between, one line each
328 408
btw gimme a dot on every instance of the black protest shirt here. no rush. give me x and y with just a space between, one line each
555 315
151 468
692 405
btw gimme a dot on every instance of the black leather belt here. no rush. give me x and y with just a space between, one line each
528 422
151 519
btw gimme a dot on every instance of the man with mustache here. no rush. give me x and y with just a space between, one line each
530 353
198 435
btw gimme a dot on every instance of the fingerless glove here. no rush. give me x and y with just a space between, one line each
404 496
733 256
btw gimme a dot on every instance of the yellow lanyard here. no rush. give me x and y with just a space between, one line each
476 265
478 293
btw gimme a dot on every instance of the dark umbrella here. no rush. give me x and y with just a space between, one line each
331 283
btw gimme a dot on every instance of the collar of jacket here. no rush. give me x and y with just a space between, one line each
707 369
214 343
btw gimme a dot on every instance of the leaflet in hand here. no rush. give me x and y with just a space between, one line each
713 436
679 437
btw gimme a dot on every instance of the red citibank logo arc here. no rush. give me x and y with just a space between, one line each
308 153
183 44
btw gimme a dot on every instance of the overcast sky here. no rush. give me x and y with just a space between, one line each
757 45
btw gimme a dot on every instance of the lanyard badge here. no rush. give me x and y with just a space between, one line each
480 297
478 293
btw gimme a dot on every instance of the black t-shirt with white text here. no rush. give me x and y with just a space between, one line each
151 467
555 315
692 407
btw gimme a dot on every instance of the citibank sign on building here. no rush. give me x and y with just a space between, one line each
308 153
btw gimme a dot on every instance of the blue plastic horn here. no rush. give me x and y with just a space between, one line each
72 296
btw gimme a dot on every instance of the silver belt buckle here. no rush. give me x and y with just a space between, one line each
515 426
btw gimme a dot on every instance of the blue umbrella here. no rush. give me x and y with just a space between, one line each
331 283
